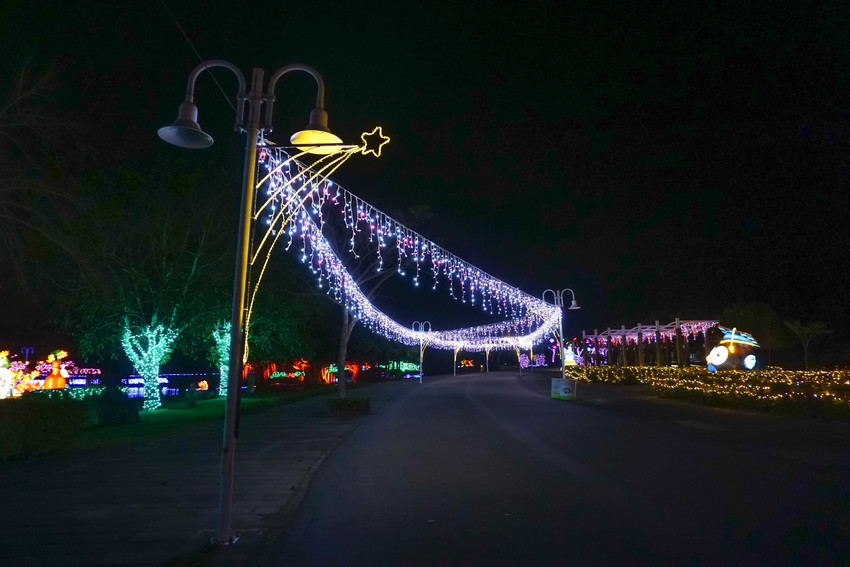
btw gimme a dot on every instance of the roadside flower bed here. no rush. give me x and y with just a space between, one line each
811 393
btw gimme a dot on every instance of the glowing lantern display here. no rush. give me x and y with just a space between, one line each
56 379
569 356
6 375
735 351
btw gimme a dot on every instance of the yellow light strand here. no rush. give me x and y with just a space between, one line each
335 160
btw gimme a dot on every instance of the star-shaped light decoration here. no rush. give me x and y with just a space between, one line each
373 141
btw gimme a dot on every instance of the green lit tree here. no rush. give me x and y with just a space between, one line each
221 337
157 264
147 351
806 332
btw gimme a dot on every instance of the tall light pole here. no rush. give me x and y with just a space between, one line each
421 327
186 133
558 300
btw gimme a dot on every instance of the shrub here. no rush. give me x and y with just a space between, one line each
37 424
115 407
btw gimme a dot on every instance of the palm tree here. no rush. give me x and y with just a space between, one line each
807 332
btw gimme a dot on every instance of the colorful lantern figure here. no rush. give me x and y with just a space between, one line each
6 376
569 356
56 379
735 351
24 381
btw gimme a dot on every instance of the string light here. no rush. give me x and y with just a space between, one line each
146 351
772 388
299 202
221 336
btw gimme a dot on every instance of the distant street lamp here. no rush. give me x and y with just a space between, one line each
421 327
186 133
558 300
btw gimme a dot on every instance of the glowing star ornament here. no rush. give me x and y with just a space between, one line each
373 142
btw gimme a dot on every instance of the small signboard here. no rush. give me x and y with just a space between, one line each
563 389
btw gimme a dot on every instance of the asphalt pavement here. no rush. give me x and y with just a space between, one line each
488 470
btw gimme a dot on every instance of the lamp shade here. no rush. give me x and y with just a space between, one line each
317 138
574 305
185 132
308 140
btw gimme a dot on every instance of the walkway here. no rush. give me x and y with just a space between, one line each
157 503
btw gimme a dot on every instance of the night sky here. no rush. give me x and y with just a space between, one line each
659 162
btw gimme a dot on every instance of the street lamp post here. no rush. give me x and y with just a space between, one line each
421 327
558 300
186 133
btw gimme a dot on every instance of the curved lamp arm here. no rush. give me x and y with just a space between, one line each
573 305
185 132
241 95
318 117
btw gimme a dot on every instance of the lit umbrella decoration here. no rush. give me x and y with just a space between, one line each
297 203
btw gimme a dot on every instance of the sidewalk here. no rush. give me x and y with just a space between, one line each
157 503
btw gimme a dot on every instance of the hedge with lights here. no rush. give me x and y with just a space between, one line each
617 374
86 394
809 393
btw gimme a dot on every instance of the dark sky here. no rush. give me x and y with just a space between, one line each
658 161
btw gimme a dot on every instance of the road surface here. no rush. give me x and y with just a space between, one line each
486 469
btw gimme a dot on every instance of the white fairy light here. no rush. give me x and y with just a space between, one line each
529 318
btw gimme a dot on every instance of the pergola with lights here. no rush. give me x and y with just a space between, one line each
676 333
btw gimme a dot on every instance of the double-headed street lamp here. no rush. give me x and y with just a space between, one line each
186 133
558 300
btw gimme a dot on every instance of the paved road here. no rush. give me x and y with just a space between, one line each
487 470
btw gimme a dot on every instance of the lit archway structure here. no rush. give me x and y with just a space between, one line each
299 200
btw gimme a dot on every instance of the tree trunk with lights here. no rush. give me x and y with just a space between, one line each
147 350
221 336
348 324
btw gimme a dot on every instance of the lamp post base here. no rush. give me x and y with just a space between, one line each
234 537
